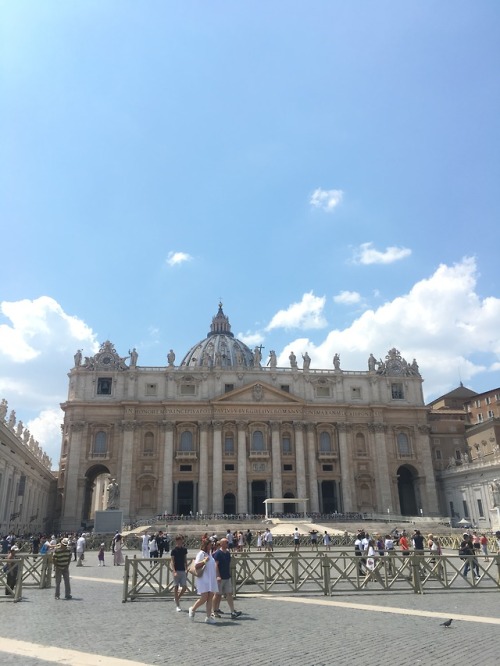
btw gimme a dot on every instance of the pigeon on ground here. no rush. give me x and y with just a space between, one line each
446 624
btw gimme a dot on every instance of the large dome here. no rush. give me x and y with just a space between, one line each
220 348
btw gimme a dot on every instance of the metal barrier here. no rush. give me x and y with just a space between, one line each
344 572
148 578
326 573
12 593
37 570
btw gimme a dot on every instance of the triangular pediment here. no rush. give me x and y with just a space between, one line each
258 392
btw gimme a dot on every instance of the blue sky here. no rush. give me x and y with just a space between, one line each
328 169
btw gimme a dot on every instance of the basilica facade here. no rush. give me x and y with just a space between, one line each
224 429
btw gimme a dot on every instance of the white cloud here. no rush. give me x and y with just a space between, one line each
306 314
347 297
366 254
175 258
326 200
442 322
251 339
37 344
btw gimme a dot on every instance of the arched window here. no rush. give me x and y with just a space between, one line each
149 444
100 443
360 444
325 442
286 444
187 441
146 496
257 441
403 444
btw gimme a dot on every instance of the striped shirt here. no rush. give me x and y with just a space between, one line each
61 557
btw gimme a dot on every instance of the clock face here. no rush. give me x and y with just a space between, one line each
106 360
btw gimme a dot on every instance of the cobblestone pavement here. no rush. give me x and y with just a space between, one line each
95 627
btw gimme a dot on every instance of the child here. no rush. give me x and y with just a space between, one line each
100 555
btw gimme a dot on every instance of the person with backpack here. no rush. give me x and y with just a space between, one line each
466 552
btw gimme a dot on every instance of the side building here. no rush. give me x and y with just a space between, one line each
222 431
27 485
465 440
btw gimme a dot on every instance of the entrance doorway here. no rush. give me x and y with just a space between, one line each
259 494
329 502
229 504
406 491
185 498
95 496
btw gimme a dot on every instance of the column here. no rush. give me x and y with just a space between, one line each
300 463
242 501
217 498
346 476
168 467
430 499
382 478
72 513
125 480
313 472
277 488
203 477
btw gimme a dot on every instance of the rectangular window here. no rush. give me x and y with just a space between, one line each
438 454
490 414
327 468
186 468
488 400
458 455
466 509
356 393
286 446
228 388
104 385
188 389
452 510
285 387
479 418
229 446
151 389
397 391
478 403
480 508
229 467
322 391
288 468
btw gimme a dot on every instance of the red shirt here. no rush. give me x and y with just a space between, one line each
403 543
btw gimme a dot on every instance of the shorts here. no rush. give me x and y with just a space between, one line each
180 579
225 586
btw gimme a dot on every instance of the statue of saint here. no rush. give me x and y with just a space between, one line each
3 409
19 428
133 357
336 362
495 491
414 367
113 494
372 361
257 357
307 361
12 420
78 358
171 357
273 361
293 360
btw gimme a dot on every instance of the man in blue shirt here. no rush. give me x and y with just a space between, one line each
222 558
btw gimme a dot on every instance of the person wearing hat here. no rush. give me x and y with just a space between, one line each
11 567
61 559
100 555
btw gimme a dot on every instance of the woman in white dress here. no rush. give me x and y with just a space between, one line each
206 584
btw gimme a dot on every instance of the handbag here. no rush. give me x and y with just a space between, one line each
196 571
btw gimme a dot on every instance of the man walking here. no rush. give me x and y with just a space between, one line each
222 558
178 559
61 558
80 550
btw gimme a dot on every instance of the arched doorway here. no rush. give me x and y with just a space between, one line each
406 491
229 504
259 494
95 498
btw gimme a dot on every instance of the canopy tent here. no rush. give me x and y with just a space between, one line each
286 500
